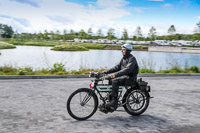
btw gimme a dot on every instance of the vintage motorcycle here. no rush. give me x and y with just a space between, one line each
84 102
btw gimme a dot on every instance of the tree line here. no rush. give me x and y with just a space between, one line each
7 32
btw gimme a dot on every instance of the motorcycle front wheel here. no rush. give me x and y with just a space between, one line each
135 102
82 104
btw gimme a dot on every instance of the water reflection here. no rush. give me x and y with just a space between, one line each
43 57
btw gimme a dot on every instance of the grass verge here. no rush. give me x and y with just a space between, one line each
59 69
69 47
5 45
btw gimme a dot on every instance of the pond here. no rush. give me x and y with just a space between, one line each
43 57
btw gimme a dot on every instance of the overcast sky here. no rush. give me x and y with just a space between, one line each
39 15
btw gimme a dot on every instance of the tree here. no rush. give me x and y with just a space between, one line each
39 36
197 29
125 34
177 37
152 33
172 30
196 36
64 31
65 36
72 35
82 34
90 31
71 31
15 34
138 33
134 38
99 33
52 35
110 34
89 35
46 34
6 31
58 36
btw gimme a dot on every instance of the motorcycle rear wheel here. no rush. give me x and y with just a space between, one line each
135 102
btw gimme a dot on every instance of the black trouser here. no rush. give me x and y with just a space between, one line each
120 81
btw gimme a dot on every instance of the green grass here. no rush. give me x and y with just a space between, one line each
41 43
35 43
177 69
5 45
92 45
59 69
69 47
113 47
142 48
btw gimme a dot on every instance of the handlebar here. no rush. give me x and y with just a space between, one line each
99 76
106 77
96 75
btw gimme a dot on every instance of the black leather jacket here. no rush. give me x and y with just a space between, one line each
126 67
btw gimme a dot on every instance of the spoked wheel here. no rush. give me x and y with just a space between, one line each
136 102
82 104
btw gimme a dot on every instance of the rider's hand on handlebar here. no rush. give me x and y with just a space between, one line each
112 76
104 72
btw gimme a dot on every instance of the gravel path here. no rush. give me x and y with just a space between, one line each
39 106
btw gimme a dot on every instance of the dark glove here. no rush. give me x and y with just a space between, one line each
105 72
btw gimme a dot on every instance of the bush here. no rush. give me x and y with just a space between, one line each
8 69
43 72
146 71
58 67
194 69
25 71
176 69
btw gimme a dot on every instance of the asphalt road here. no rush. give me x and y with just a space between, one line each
39 106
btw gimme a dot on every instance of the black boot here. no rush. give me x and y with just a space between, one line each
112 104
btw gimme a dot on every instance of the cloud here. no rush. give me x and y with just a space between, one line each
4 16
16 23
52 15
167 5
112 3
198 17
55 15
29 2
60 19
21 21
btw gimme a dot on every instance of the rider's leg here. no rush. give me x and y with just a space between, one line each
114 94
115 87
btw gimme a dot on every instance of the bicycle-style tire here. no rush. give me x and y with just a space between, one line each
135 102
82 104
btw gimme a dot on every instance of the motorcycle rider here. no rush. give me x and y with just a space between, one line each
124 73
